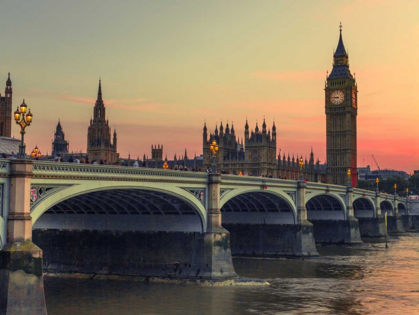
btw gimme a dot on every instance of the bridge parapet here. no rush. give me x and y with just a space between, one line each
257 181
4 167
88 171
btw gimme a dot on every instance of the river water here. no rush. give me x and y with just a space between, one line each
366 279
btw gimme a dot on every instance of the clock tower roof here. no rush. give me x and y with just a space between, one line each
340 65
340 50
340 72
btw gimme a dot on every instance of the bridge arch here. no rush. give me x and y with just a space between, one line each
364 208
401 207
386 206
258 206
325 206
122 207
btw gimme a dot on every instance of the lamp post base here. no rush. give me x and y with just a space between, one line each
213 166
22 149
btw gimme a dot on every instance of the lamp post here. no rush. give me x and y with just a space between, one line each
301 163
23 119
395 189
407 200
214 150
349 177
36 153
165 165
377 181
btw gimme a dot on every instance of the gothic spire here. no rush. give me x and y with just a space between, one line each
8 82
99 92
340 50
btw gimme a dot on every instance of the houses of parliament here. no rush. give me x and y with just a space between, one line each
257 155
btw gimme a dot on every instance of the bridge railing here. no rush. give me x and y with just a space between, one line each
4 167
257 180
56 169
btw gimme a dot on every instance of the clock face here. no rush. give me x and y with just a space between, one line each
337 97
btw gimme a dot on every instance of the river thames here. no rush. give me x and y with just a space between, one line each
366 279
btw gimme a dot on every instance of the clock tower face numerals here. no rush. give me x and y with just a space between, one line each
337 97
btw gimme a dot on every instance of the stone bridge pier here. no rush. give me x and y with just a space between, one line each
371 212
21 280
334 221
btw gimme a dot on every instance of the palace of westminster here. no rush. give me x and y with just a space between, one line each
255 156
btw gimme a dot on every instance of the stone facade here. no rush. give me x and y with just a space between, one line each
256 156
157 152
6 110
260 145
341 105
59 145
100 148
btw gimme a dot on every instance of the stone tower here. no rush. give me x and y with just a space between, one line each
341 105
260 150
6 110
100 148
157 152
59 145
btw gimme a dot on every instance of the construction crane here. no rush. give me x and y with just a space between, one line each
376 162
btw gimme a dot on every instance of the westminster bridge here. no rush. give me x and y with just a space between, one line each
114 220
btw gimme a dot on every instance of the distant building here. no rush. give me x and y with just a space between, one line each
365 173
100 147
6 110
157 152
260 146
59 145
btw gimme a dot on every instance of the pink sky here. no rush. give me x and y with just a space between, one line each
167 68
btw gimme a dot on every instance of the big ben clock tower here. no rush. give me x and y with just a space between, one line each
341 105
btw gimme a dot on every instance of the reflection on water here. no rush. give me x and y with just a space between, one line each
366 279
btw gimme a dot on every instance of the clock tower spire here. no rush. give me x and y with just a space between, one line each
341 106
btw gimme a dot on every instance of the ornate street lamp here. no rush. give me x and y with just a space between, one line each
165 165
214 150
349 177
23 119
36 153
407 192
395 188
301 163
377 181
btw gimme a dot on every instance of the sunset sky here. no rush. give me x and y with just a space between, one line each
167 66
